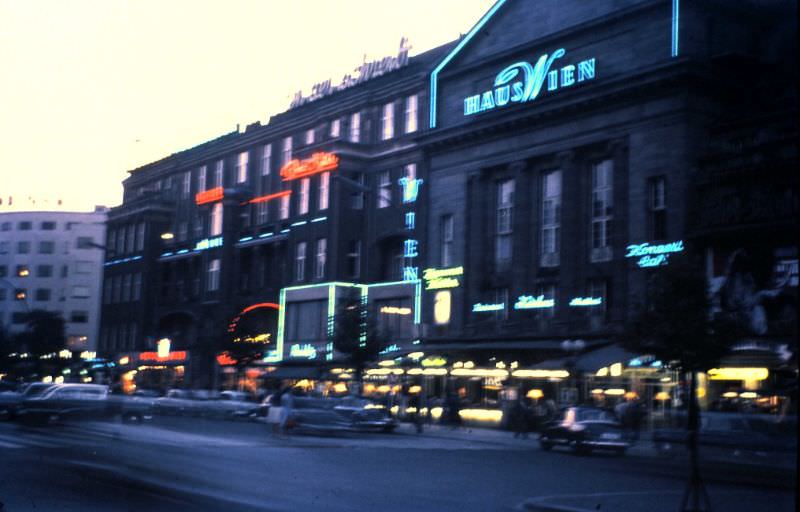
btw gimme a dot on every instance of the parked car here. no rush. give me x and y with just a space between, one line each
317 415
365 415
235 404
11 400
584 429
724 435
81 402
175 402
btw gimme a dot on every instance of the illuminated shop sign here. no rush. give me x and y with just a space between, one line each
410 188
410 245
391 348
208 243
436 278
209 196
317 163
531 302
179 355
485 308
653 255
522 82
738 373
586 301
303 351
364 72
394 310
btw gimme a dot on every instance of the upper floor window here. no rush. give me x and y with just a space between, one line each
262 212
657 208
335 127
547 292
324 186
357 197
302 205
212 276
504 223
598 289
121 240
447 240
23 247
300 261
384 189
84 267
266 159
354 258
25 225
136 287
355 127
411 113
309 136
241 167
48 225
44 271
183 231
186 188
284 207
219 173
5 226
215 229
140 236
201 179
602 209
47 247
287 150
387 122
321 256
551 218
80 292
199 227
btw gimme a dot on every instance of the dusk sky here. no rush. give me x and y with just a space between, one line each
92 89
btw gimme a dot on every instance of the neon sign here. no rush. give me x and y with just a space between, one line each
365 71
531 302
307 351
485 308
208 243
522 82
319 162
410 188
586 301
437 279
653 255
394 310
179 355
269 197
209 196
410 245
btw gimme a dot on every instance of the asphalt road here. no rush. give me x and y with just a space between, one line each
176 464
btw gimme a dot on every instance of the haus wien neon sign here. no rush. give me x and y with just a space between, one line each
522 82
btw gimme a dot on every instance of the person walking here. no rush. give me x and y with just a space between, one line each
287 407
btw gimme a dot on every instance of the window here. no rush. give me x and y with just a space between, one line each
83 267
241 167
4 271
2 298
199 228
183 231
25 225
357 198
6 226
284 207
168 183
324 186
354 258
186 187
262 212
126 288
266 159
302 205
4 247
504 224
551 218
310 136
48 225
219 173
140 236
64 270
501 297
47 247
42 295
447 240
23 247
547 292
22 271
657 208
201 179
598 289
136 287
111 241
216 220
121 240
80 292
132 332
79 317
212 280
387 122
307 321
384 189
355 127
287 151
300 261
411 113
130 240
20 293
319 262
602 210
335 127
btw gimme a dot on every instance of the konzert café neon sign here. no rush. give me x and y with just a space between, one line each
522 82
653 255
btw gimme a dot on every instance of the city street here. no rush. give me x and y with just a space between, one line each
196 464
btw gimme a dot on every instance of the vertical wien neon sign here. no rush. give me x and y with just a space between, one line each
410 245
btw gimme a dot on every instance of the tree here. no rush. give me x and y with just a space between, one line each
358 337
677 325
44 335
249 340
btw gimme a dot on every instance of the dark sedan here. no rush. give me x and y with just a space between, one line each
81 401
584 429
10 401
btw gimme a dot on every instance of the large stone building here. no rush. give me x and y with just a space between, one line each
53 261
494 199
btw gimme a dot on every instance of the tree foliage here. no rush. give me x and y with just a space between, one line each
44 333
357 335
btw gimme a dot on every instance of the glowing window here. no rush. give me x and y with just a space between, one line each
602 210
442 307
335 127
551 218
266 159
324 186
212 277
300 261
287 150
201 179
387 122
216 220
241 167
321 256
411 113
504 223
355 127
219 174
384 189
302 205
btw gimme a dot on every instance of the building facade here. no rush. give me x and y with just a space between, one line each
53 261
496 200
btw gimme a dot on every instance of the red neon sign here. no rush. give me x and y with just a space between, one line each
179 355
319 162
224 359
235 321
209 196
276 195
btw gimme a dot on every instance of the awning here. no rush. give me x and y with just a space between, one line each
503 345
590 361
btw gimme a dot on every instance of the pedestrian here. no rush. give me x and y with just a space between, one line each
287 407
452 409
517 419
275 412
